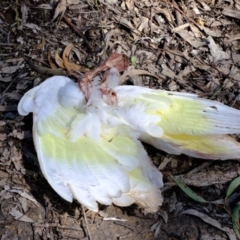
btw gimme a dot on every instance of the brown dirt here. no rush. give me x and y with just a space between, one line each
182 61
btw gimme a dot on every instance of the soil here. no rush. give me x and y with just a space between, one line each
182 59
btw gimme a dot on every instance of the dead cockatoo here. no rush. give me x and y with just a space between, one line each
87 135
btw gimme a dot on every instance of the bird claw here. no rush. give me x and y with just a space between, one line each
115 60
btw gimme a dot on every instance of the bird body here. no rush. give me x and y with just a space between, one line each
88 142
84 153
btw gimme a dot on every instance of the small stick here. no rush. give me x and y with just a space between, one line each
85 219
69 23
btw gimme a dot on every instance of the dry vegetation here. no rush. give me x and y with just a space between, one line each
190 46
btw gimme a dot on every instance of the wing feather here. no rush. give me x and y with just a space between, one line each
84 157
190 125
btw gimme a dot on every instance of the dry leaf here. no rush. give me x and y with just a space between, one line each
10 69
32 26
181 27
25 195
216 53
129 73
167 14
144 24
50 61
60 9
212 222
58 60
203 179
42 44
69 2
187 36
20 216
72 67
45 6
24 11
231 13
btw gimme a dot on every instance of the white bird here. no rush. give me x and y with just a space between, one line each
87 138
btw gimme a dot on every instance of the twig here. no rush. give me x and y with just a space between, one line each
183 13
51 225
200 167
11 83
69 23
85 219
45 70
7 44
151 17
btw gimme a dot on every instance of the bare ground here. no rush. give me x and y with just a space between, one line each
190 46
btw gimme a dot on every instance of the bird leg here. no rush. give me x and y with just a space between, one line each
118 61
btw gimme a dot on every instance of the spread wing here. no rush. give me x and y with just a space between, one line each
181 122
83 158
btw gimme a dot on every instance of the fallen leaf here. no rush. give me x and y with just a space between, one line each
212 222
25 195
50 61
10 69
72 67
187 36
216 53
231 13
60 9
42 44
24 11
59 60
20 216
45 6
129 73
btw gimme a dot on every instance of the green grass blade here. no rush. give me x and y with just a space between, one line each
235 220
188 190
234 184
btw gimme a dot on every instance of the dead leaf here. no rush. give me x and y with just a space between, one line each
69 2
181 27
213 33
231 13
212 222
144 23
203 179
50 61
59 60
25 195
60 9
130 73
3 136
127 24
16 134
10 69
32 26
24 11
45 6
20 216
42 44
205 6
216 53
16 158
72 67
167 14
192 40
129 4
